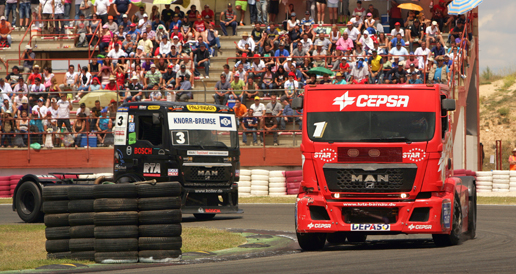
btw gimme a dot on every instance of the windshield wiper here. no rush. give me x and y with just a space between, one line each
389 139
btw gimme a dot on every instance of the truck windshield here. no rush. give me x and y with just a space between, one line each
204 138
371 126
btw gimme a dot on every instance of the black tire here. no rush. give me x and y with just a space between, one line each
160 243
116 257
112 232
116 245
28 202
116 218
82 231
57 233
311 241
52 220
356 237
454 238
472 214
119 204
55 193
80 192
59 255
56 246
159 203
158 256
167 189
204 217
82 244
336 238
171 230
115 191
76 219
55 207
83 255
75 206
155 217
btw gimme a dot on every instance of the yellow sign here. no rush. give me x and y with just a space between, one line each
153 107
202 108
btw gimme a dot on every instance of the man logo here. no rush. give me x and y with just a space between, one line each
207 173
370 178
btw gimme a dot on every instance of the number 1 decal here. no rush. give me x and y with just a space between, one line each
319 129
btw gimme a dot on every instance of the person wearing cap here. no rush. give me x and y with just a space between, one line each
512 160
160 32
397 30
5 30
339 79
5 90
318 60
291 87
394 41
440 14
240 46
176 22
116 53
375 63
237 86
447 60
134 32
394 75
201 57
8 126
105 38
185 73
358 21
38 90
414 78
411 61
101 8
183 86
439 74
269 124
125 23
399 51
12 77
112 25
111 85
352 32
370 23
395 14
249 125
28 59
133 91
433 34
414 33
142 23
360 72
152 77
457 31
228 18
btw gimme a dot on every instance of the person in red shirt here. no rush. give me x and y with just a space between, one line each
440 14
112 84
35 74
207 14
395 14
200 27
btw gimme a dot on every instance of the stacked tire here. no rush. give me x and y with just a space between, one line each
259 182
159 231
484 181
277 183
116 223
81 208
512 181
501 179
57 231
293 179
5 187
244 184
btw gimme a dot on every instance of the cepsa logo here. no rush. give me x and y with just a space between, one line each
371 101
316 225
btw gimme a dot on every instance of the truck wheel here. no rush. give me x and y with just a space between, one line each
311 241
472 214
28 202
204 217
336 238
454 238
356 237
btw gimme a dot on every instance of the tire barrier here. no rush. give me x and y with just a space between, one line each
113 223
259 182
262 182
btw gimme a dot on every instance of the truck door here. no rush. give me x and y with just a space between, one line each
146 142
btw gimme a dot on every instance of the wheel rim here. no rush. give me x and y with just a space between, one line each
27 202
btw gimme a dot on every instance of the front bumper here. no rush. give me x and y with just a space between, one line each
206 200
310 215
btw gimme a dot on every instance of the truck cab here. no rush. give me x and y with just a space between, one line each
193 143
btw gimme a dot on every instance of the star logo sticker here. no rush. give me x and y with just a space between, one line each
310 225
343 101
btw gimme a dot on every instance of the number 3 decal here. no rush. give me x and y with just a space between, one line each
120 120
180 137
319 129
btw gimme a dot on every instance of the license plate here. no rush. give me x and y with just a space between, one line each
446 215
370 227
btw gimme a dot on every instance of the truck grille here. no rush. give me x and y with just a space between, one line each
370 178
203 174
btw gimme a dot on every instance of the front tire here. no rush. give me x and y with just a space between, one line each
28 202
204 217
336 238
311 241
454 238
472 214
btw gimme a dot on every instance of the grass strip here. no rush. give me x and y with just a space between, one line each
6 201
23 246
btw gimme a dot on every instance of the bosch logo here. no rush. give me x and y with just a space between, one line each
371 100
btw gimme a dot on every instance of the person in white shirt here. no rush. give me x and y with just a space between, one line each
69 80
397 29
357 21
258 108
307 43
46 8
37 86
116 53
101 8
64 106
433 34
353 33
142 23
420 53
399 51
5 89
85 80
59 15
245 40
164 47
291 87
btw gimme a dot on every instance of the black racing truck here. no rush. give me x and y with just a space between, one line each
193 143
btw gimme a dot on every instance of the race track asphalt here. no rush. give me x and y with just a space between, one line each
493 251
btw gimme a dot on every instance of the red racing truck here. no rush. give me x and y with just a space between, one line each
377 160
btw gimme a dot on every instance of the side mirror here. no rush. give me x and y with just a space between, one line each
156 119
448 104
297 103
